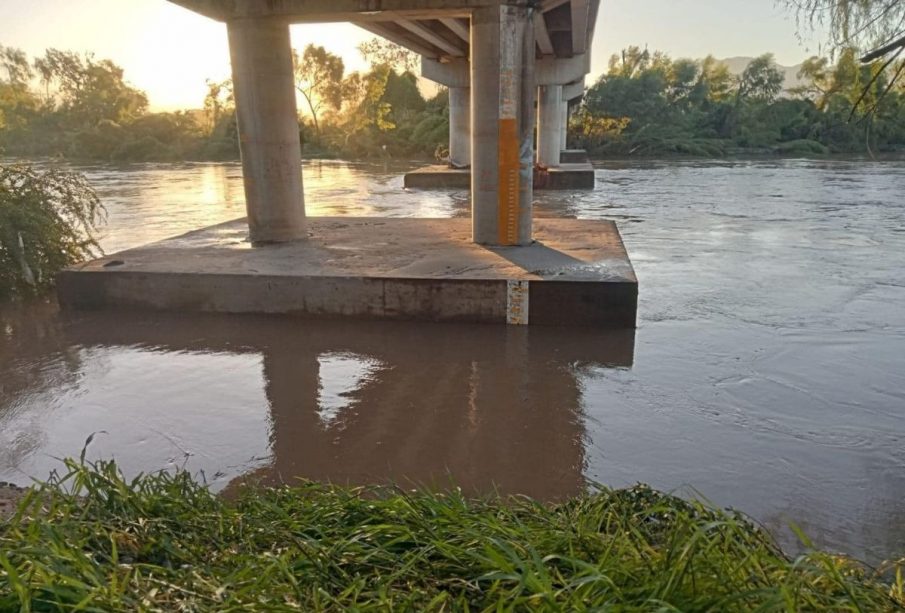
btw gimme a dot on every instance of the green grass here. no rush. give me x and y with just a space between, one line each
90 540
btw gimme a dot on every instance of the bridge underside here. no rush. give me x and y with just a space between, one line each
497 57
512 69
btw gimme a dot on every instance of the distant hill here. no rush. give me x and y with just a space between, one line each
737 66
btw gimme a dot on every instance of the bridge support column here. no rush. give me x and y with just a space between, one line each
264 91
564 126
460 126
502 117
549 128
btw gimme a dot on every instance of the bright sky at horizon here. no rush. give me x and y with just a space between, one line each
169 52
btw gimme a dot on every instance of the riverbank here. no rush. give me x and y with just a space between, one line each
90 538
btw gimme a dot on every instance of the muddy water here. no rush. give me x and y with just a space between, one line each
767 372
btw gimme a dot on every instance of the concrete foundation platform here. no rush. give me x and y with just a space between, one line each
577 175
573 156
576 273
438 176
566 176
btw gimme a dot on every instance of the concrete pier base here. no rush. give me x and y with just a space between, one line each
573 172
576 273
573 156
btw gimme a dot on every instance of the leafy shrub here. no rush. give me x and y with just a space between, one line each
47 222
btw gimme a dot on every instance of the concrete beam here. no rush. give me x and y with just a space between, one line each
580 14
549 5
454 73
264 90
314 11
425 33
542 35
559 71
403 41
547 71
459 27
573 90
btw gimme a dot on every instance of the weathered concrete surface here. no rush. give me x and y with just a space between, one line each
438 176
460 126
264 89
573 156
568 175
549 124
577 273
502 118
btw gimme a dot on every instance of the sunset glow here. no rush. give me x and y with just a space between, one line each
169 51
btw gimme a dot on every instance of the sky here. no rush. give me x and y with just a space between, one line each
169 52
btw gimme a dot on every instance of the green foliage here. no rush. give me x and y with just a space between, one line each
381 52
47 220
648 104
90 540
861 23
319 78
761 81
88 111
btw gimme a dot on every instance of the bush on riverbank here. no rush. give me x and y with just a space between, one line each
91 540
47 221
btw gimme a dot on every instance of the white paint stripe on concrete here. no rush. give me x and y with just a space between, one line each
517 302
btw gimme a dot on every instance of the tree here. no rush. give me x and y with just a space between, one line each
379 52
874 27
217 103
86 91
862 24
319 78
15 63
761 80
17 103
818 80
715 81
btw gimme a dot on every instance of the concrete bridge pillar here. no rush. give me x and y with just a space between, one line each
502 118
564 126
549 124
460 126
264 91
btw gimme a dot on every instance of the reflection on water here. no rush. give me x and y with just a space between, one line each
482 406
767 373
340 376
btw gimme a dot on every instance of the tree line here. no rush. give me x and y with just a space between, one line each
650 104
71 105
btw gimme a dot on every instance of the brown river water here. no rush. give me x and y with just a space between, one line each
767 372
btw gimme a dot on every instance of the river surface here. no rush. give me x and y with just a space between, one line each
767 372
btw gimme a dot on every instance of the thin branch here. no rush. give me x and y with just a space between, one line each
873 80
876 53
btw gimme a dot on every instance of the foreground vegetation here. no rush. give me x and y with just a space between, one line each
47 222
90 540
